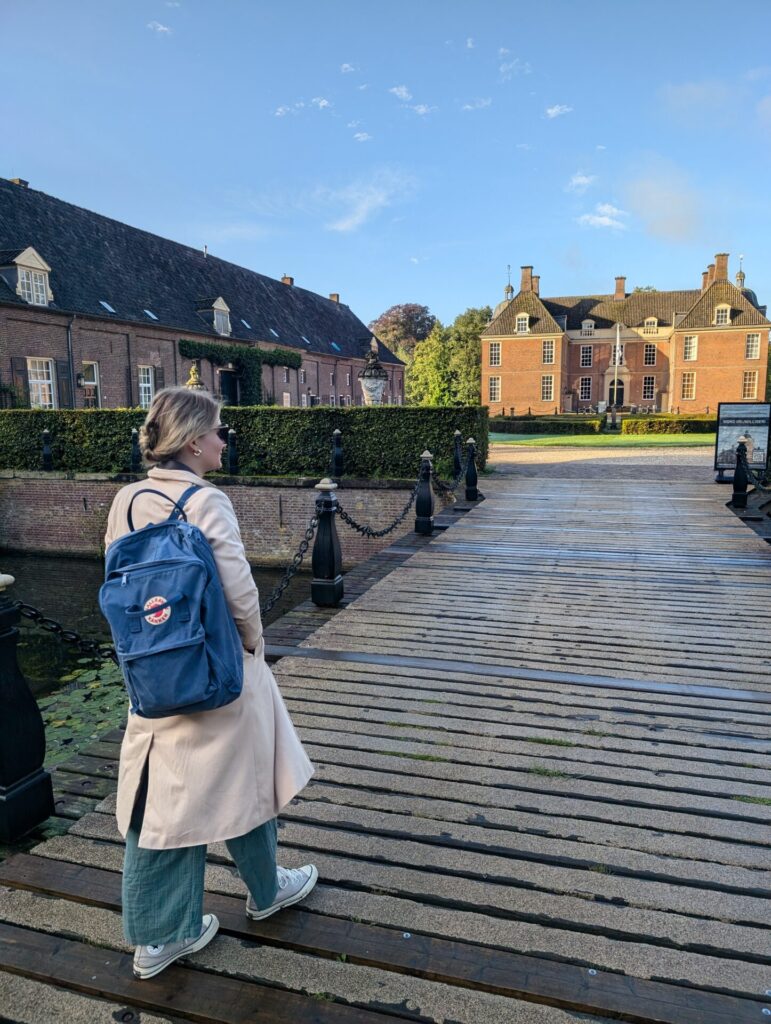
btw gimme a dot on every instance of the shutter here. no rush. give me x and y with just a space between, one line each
129 390
65 386
160 378
20 377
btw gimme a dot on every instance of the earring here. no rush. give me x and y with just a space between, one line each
197 453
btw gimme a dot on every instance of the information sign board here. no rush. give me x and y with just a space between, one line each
742 419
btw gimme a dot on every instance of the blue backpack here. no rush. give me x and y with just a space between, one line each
176 641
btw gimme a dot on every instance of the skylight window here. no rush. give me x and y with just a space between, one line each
336 347
305 339
149 312
246 325
275 335
106 305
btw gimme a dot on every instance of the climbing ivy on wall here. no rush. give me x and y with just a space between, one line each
247 360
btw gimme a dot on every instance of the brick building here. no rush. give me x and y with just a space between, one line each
92 312
680 351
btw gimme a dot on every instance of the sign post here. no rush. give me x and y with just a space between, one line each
749 420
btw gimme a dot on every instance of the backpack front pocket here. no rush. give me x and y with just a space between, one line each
167 681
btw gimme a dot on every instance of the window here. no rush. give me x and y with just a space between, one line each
649 388
106 305
585 389
304 400
331 377
348 378
149 312
286 374
248 326
547 388
274 333
287 399
40 373
688 388
722 315
752 347
750 384
651 325
91 398
302 374
221 321
336 347
146 386
587 328
548 351
33 287
495 353
690 347
347 399
494 392
617 354
586 355
523 322
649 358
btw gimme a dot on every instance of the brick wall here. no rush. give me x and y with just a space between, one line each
520 371
57 513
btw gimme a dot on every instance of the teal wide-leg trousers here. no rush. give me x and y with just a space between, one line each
163 889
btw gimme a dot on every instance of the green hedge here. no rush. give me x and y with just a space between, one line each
546 425
377 442
669 424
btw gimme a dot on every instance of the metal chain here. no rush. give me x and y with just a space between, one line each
367 531
292 568
69 636
440 485
753 476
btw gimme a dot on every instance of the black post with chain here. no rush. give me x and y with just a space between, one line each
424 503
472 478
136 454
457 450
48 461
337 455
327 559
741 477
232 453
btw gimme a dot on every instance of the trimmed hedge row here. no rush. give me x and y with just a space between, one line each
669 424
385 441
547 425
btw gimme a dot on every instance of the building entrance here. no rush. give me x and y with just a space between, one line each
229 387
616 393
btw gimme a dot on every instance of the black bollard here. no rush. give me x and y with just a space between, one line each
337 454
472 478
48 462
457 462
739 499
327 560
424 502
26 793
136 455
232 453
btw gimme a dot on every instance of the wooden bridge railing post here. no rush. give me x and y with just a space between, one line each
327 560
424 502
26 792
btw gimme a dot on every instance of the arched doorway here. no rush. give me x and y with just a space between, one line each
616 393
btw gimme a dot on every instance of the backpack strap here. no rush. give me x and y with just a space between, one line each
179 506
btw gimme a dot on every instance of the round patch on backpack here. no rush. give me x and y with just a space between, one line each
157 618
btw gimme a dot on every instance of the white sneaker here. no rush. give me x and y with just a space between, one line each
151 960
294 884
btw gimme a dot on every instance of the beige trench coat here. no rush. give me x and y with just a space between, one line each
216 774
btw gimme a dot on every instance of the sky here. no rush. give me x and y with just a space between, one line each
407 151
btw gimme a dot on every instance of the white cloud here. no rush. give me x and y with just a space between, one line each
557 110
477 104
608 210
360 201
422 109
503 52
282 111
509 68
669 206
580 182
347 68
605 216
469 43
362 136
173 3
320 102
353 124
362 87
160 29
401 92
600 147
524 145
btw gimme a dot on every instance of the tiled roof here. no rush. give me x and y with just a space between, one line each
7 256
743 313
94 258
505 324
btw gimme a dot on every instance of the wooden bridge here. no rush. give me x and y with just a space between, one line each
543 755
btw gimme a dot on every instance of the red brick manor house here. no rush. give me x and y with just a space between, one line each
92 312
662 351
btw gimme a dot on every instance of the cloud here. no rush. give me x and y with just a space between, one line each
600 147
558 110
757 74
362 87
469 43
763 110
477 104
282 111
508 68
422 109
401 92
362 136
360 201
414 259
173 3
320 102
503 52
667 204
346 69
605 216
353 124
524 145
580 182
156 26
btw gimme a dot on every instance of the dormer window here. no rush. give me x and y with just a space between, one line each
722 315
523 323
26 272
33 286
587 328
651 325
221 316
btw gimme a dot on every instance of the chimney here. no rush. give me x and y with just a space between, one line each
526 285
620 292
704 280
20 182
721 266
537 284
334 296
710 273
287 280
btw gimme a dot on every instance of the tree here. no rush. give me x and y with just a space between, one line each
428 380
446 367
402 327
466 355
645 288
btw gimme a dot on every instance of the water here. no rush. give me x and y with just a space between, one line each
66 589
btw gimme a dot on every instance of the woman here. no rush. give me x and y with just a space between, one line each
221 775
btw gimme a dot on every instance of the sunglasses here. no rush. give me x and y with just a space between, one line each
222 431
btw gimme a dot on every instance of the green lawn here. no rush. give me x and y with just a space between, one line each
604 440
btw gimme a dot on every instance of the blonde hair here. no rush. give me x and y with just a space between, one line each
175 417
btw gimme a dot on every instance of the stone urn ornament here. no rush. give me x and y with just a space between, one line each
373 378
194 380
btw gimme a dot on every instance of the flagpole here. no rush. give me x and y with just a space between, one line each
615 361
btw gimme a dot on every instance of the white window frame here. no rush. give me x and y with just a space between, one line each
286 399
33 285
683 386
722 315
587 350
96 381
495 353
587 328
650 350
302 375
585 389
347 399
649 385
752 346
494 389
332 400
523 323
286 375
547 387
41 377
348 378
749 385
620 347
222 322
548 349
146 386
690 355
331 377
304 400
651 325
